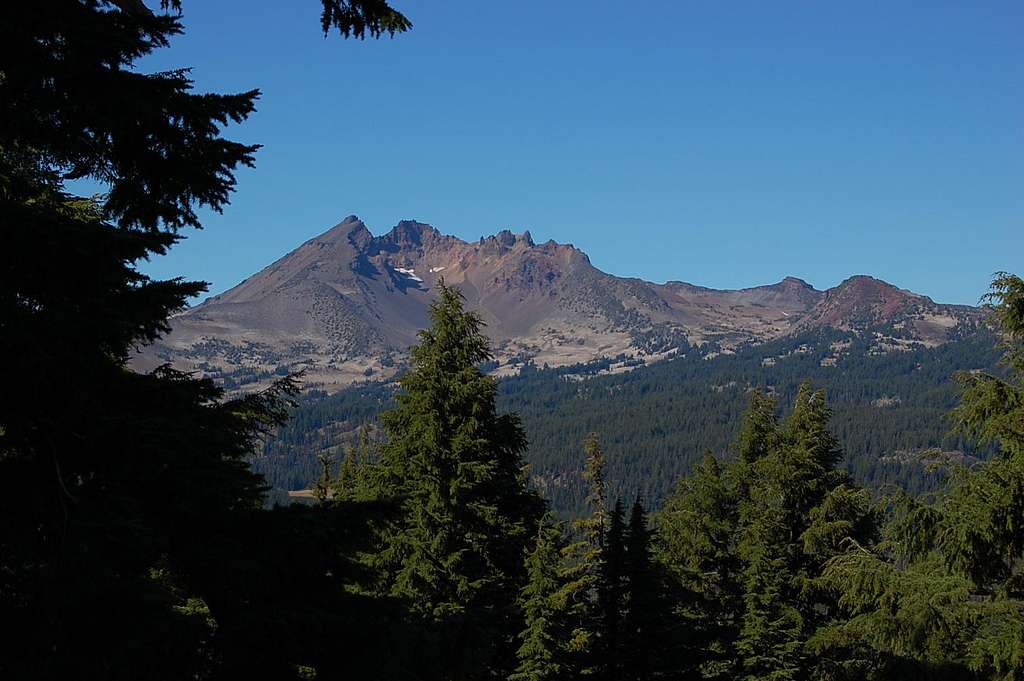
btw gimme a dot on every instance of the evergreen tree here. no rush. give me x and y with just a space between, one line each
747 544
942 595
798 513
586 562
322 489
760 429
126 499
697 543
646 624
547 650
992 406
596 525
803 468
611 597
771 637
456 554
354 481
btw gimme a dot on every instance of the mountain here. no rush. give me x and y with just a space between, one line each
346 305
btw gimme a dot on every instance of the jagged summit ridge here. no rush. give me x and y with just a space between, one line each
347 304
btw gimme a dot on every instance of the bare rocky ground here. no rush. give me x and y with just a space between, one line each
346 305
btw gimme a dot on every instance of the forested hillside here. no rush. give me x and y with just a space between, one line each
657 421
135 537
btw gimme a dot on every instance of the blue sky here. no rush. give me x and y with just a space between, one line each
727 144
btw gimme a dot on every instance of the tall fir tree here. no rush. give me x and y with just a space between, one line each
992 406
760 429
611 597
595 526
770 639
586 561
547 651
697 544
798 512
456 554
943 595
747 544
126 500
356 473
647 631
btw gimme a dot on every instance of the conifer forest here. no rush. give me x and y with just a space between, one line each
463 526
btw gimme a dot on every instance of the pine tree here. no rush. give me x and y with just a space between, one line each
760 429
611 597
799 512
942 594
646 624
322 488
126 498
585 562
594 527
697 543
803 469
992 407
770 641
356 473
547 650
749 543
456 554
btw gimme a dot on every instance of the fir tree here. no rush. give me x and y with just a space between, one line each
322 489
611 597
596 525
354 481
586 562
749 543
803 468
992 407
456 553
770 640
646 624
942 595
547 651
697 543
126 498
760 429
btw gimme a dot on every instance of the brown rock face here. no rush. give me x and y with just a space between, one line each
863 303
346 305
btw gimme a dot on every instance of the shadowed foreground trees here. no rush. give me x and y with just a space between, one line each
132 540
455 554
748 539
944 593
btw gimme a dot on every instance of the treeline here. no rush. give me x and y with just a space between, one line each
771 565
657 422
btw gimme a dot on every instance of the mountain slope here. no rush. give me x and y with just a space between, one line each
346 305
655 423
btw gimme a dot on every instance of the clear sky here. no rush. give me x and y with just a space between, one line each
726 144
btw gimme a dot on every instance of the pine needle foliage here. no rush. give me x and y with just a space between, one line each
746 543
456 554
133 543
547 651
944 593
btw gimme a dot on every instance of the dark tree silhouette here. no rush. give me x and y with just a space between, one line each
131 530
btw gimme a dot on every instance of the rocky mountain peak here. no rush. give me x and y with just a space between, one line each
346 305
506 240
350 230
863 288
795 283
863 302
410 233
